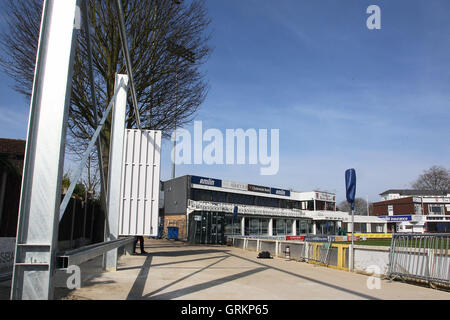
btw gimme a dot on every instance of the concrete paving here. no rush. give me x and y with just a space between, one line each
173 270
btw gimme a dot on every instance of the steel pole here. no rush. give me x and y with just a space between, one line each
126 53
115 172
37 232
87 30
352 261
175 131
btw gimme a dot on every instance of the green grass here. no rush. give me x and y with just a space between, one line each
376 242
387 243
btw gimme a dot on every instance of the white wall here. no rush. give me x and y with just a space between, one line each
368 256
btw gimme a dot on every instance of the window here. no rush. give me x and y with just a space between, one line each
281 227
294 204
254 227
219 196
241 199
378 228
247 227
267 202
390 210
265 227
289 226
304 227
436 209
201 195
229 221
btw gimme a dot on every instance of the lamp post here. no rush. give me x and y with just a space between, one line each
186 54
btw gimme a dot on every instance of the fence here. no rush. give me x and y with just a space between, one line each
83 224
329 254
422 257
411 256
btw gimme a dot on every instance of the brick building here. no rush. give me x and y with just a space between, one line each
415 210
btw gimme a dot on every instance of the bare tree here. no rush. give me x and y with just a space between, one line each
150 25
360 207
436 178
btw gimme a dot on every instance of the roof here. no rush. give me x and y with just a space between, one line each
410 192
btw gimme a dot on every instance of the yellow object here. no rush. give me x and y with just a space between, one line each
340 258
372 235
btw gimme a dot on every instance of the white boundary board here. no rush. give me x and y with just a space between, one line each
141 170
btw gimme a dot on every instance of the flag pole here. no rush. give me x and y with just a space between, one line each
353 242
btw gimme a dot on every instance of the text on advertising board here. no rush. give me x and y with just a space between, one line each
261 189
281 192
398 218
206 181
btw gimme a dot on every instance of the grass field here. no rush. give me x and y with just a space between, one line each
387 243
377 242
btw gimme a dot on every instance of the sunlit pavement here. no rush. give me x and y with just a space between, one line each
173 270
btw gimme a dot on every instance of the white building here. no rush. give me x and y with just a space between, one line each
206 207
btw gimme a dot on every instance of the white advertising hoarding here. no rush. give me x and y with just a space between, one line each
141 170
234 185
322 196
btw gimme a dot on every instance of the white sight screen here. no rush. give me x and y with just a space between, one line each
141 171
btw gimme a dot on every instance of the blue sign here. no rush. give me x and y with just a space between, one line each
280 192
350 186
206 181
317 238
235 213
398 218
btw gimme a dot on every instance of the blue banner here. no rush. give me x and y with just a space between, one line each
317 238
398 218
280 192
350 186
206 181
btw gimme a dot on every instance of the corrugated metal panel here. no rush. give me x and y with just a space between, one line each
140 183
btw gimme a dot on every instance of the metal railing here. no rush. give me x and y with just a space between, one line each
78 256
422 257
328 254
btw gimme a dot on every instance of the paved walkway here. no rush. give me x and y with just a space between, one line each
174 270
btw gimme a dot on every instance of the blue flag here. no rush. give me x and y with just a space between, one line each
350 186
235 212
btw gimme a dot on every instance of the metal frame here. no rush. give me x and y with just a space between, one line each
79 256
126 53
41 187
87 30
423 257
87 153
40 203
115 169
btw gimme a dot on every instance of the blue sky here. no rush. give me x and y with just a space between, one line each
342 96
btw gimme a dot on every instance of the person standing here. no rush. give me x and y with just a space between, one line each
141 244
